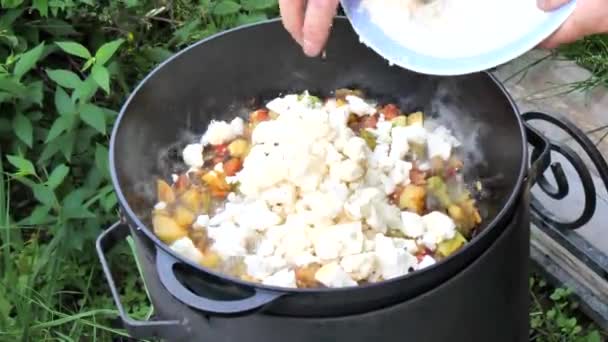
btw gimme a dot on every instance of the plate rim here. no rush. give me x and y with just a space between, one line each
409 59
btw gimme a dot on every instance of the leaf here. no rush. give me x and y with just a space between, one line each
86 91
12 86
253 5
593 336
57 27
73 207
44 195
63 103
11 3
61 124
24 166
226 7
57 176
94 117
101 77
28 60
107 50
42 6
244 19
35 92
66 144
75 49
23 129
64 78
156 54
102 159
39 215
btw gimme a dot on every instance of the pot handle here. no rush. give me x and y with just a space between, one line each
137 329
541 154
563 188
259 299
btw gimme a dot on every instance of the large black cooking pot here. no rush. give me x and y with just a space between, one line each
228 73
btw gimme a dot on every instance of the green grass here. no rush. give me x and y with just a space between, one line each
592 54
65 68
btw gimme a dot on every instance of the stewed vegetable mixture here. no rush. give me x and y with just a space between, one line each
319 193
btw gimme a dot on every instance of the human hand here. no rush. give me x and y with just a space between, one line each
589 17
309 22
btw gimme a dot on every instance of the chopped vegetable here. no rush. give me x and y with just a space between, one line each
413 198
210 259
344 92
418 151
167 229
192 200
164 192
238 148
258 116
418 177
232 166
400 121
390 112
369 138
449 247
305 276
184 216
437 188
416 118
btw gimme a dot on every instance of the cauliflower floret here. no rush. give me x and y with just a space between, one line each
193 155
332 275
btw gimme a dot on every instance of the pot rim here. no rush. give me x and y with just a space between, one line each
125 207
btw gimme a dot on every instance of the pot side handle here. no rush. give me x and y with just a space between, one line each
165 266
541 154
137 329
562 189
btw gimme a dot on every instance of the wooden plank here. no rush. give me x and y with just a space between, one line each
567 270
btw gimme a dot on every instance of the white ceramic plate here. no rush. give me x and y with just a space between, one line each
536 30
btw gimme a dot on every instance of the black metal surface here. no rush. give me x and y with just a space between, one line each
562 189
487 301
181 96
551 223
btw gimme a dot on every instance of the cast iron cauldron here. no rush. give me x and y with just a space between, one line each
218 76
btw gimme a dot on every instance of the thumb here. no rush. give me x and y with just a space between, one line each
548 5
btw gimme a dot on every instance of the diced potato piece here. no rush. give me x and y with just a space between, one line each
470 217
165 192
247 277
400 120
456 213
167 229
184 216
192 200
340 102
211 259
413 198
216 181
305 276
416 118
449 247
238 148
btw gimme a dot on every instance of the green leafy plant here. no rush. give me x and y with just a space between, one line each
554 316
